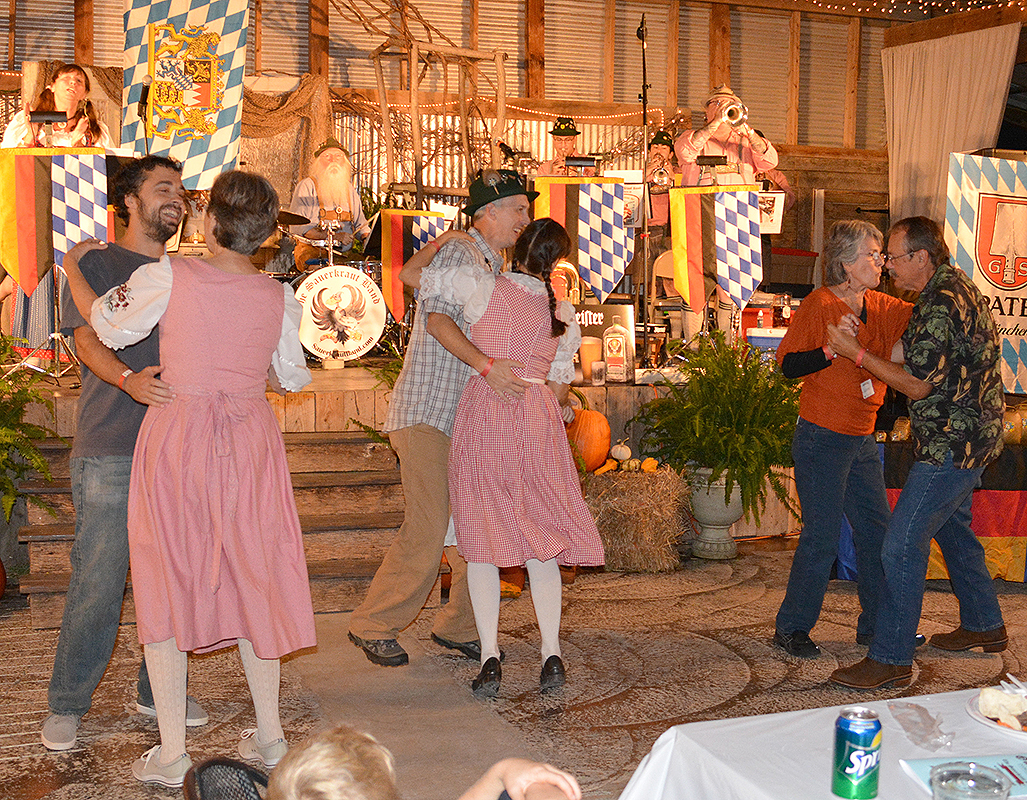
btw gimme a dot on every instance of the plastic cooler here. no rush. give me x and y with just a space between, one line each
765 338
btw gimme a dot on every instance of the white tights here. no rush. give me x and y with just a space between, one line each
167 667
546 596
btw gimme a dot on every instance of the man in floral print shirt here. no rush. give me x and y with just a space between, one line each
951 376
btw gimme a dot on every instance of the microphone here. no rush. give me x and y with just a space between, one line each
144 96
641 32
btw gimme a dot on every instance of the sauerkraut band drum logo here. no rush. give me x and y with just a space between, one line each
343 313
1001 244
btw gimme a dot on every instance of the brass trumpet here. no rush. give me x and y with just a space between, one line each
736 114
661 174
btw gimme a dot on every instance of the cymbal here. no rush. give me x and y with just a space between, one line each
288 218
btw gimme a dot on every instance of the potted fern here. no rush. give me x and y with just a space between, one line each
728 426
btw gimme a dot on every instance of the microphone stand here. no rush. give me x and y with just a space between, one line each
643 306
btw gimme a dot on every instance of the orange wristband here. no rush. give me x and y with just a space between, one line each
435 244
859 356
121 380
488 368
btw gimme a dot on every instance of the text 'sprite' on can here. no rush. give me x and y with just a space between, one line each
857 753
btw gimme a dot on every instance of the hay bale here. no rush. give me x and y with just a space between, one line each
641 516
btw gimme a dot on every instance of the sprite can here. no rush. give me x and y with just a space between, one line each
857 753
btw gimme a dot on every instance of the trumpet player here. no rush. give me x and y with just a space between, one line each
565 139
726 133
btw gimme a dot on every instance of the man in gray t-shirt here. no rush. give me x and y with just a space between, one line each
116 389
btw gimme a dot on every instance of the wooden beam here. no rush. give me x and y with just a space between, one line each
609 41
258 34
10 34
673 25
83 31
852 82
474 13
794 77
720 44
535 48
318 46
964 22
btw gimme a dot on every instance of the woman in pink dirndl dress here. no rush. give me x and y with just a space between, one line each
215 543
514 488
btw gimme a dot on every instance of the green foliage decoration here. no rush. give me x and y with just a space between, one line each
19 454
735 413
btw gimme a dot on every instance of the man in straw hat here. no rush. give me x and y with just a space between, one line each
747 151
565 140
422 409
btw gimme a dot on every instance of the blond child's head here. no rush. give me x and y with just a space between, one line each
338 764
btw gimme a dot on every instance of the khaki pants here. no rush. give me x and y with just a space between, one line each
411 567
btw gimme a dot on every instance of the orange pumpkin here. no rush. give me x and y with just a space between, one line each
589 436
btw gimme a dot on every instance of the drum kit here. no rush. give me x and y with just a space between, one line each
344 312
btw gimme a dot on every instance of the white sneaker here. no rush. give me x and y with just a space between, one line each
195 716
148 769
267 754
60 731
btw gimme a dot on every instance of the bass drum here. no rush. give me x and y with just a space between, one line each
343 313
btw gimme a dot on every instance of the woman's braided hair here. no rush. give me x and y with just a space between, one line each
538 248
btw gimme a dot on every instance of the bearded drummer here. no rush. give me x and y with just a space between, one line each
330 200
746 150
565 139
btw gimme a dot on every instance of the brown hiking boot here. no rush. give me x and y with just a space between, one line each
870 674
993 641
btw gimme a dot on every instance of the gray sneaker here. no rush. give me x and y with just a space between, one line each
148 769
195 716
267 754
60 731
384 652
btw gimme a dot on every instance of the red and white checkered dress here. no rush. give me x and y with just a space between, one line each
513 486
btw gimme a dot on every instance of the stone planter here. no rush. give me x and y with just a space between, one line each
715 517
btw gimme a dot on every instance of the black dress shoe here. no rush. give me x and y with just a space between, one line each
553 674
487 682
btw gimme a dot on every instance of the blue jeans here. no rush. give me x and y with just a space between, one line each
99 563
836 474
934 504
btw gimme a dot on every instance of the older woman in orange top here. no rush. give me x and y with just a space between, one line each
838 471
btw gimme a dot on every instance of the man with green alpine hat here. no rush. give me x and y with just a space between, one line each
565 136
422 409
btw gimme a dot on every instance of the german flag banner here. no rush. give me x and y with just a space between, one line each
592 211
50 200
402 234
716 235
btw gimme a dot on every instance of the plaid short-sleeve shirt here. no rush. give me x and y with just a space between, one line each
432 379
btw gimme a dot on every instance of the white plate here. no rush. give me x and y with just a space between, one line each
974 711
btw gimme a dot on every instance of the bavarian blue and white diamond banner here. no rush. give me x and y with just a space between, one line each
737 244
986 232
194 54
605 244
78 200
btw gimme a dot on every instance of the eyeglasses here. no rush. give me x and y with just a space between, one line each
888 257
875 255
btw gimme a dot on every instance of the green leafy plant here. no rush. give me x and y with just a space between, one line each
735 413
19 454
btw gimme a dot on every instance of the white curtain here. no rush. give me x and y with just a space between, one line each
942 96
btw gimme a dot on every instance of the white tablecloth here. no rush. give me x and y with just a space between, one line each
789 756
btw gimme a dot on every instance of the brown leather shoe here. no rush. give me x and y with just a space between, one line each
993 641
870 674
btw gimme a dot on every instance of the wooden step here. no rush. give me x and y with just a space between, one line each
305 452
325 538
336 585
316 493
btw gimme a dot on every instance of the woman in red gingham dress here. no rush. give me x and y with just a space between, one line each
515 492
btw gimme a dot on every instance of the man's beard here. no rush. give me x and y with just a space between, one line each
155 226
334 186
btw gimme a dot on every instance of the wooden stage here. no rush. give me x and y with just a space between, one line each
337 397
